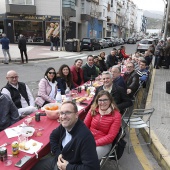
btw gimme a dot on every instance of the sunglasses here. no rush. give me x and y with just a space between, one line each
51 73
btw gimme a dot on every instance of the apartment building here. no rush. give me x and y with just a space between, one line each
38 19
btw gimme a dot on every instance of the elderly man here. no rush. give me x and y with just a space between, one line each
5 48
72 144
23 49
131 79
111 59
9 112
117 78
89 69
19 93
118 93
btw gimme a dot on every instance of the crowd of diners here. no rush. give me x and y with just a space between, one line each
121 75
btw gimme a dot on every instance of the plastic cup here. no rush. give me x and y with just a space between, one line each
8 160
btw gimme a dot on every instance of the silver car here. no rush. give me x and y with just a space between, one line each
103 43
144 44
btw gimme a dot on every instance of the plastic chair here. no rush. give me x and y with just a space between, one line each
140 118
112 153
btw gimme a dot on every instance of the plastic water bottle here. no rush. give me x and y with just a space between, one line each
68 94
58 97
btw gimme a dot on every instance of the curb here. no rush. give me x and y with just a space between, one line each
32 59
158 150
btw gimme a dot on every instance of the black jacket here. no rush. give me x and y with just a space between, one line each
132 81
80 152
119 95
22 43
89 72
111 61
102 64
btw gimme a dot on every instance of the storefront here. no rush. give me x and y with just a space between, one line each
37 29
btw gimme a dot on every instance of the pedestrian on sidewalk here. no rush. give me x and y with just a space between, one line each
23 48
56 42
52 42
5 48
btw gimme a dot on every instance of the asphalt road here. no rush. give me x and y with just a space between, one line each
34 71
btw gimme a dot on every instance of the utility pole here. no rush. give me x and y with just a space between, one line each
61 11
166 21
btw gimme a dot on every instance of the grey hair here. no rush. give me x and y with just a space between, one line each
118 67
21 35
107 73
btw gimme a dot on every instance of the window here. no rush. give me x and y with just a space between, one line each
32 30
111 3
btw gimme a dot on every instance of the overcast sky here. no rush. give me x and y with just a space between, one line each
156 5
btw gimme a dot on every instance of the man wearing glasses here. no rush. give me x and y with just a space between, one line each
19 93
72 144
118 93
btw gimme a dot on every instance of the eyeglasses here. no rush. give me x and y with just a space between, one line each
65 113
13 77
51 72
103 100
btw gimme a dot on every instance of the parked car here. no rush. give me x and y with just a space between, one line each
121 41
90 44
103 43
144 44
111 41
117 41
131 40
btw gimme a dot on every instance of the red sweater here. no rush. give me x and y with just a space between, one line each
125 56
75 77
104 128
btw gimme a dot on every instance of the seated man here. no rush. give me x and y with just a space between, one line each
143 73
131 79
118 93
72 144
89 69
19 93
117 78
111 59
9 112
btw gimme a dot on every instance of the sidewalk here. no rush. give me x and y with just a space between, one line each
35 53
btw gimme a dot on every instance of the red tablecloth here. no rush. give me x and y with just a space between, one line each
48 126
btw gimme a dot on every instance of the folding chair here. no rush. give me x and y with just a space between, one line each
112 153
140 118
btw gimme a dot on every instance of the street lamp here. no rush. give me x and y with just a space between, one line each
61 11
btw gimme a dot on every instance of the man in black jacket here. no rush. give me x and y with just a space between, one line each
72 144
111 59
131 79
118 93
23 49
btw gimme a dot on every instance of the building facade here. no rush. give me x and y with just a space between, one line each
38 20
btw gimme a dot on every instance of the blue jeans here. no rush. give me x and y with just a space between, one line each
52 44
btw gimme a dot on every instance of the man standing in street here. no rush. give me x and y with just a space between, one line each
23 49
5 48
72 144
167 53
19 93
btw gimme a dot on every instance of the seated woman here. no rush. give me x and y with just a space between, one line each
77 73
64 78
104 121
47 88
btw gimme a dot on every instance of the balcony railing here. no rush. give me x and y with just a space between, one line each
21 2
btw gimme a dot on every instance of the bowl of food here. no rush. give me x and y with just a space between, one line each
52 110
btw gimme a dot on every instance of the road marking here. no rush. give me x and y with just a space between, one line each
139 151
76 56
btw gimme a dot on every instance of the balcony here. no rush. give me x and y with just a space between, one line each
69 8
85 17
20 9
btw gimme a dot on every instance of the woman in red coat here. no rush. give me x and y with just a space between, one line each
122 51
77 73
104 121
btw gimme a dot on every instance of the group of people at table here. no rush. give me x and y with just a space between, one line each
76 144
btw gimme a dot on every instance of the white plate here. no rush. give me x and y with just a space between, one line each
27 131
33 145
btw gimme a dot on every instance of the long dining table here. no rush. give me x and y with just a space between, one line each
48 125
